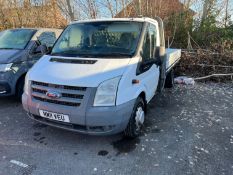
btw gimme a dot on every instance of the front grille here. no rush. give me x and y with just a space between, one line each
57 102
72 96
77 96
39 83
75 88
69 95
59 86
39 91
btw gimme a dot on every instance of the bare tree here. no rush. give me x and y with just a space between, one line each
88 8
207 7
226 14
68 8
111 6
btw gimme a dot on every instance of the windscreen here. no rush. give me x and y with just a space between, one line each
16 38
99 39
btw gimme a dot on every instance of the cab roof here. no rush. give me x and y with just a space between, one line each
144 19
37 29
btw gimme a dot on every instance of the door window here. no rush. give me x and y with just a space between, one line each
149 45
148 49
47 38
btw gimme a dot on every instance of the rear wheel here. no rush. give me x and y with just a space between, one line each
137 119
169 83
19 88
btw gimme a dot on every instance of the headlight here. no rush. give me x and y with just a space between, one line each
5 67
106 93
26 85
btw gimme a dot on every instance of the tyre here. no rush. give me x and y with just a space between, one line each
169 82
136 121
19 88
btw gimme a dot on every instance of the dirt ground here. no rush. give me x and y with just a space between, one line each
188 130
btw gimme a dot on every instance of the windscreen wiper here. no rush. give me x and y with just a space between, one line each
8 48
91 55
114 54
68 52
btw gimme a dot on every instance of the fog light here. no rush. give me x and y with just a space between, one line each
2 89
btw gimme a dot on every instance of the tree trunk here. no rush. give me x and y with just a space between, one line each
70 10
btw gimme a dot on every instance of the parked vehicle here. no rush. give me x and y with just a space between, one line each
100 76
19 50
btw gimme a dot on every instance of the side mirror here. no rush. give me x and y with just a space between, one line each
41 49
49 50
158 61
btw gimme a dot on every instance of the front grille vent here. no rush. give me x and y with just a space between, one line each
69 95
73 61
57 102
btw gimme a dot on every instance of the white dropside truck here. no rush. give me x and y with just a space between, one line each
100 76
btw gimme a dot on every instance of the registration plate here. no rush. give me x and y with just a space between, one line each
54 116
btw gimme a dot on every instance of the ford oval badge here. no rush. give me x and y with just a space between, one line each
52 94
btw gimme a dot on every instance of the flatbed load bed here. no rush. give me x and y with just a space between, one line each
172 58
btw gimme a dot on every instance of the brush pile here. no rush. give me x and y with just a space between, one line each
217 66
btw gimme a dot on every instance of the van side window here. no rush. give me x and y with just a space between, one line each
47 38
149 45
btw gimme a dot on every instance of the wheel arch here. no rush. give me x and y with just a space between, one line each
19 79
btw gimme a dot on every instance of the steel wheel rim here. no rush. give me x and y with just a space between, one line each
139 117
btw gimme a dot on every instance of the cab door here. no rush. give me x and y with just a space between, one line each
148 71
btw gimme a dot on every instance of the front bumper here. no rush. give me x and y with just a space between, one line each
7 84
5 89
94 120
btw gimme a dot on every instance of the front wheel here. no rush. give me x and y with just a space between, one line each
136 121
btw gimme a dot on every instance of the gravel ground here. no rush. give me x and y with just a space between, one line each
189 130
